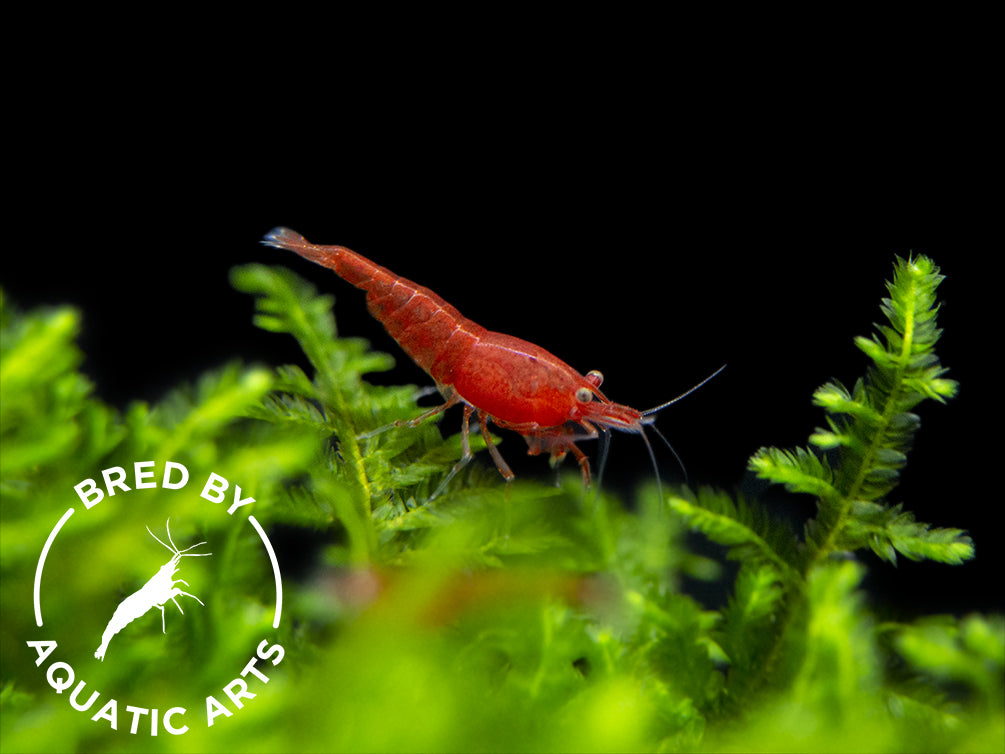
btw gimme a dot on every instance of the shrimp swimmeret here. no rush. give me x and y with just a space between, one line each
155 593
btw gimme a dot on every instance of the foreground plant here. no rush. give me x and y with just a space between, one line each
537 618
795 631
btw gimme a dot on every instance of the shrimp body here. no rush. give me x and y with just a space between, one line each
516 384
154 593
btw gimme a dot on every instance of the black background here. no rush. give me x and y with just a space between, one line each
653 224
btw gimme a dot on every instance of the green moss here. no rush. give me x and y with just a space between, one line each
493 617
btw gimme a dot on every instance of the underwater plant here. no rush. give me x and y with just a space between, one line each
522 616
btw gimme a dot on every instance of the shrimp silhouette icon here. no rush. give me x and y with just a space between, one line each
155 593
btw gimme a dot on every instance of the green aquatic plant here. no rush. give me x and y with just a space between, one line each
871 428
522 617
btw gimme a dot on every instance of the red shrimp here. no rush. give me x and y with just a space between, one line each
515 384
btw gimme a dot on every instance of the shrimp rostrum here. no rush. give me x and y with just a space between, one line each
515 384
155 593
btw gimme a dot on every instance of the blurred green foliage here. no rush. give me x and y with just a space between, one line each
493 618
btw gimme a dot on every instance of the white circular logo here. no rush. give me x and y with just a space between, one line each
165 613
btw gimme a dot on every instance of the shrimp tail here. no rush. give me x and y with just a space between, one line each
431 331
284 238
347 264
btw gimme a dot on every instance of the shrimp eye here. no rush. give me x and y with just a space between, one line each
583 395
595 378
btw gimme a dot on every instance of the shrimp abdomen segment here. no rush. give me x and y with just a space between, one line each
431 331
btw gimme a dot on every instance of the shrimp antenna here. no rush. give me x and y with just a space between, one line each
676 456
605 447
654 428
174 547
652 457
685 394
